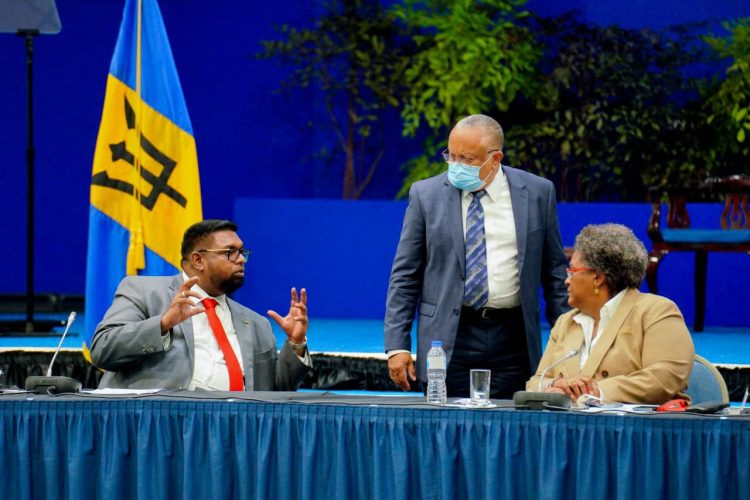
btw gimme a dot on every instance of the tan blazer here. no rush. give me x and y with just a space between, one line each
644 356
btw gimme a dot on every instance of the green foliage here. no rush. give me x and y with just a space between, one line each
605 112
614 114
730 105
472 56
614 111
357 56
423 166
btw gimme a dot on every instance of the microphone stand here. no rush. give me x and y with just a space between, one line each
538 400
54 384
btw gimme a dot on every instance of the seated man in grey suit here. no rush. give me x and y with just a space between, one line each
476 244
183 332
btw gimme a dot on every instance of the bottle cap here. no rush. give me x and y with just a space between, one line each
437 343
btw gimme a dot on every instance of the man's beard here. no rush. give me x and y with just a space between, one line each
232 284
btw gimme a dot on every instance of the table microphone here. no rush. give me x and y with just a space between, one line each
538 400
54 385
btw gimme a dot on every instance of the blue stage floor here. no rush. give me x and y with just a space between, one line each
721 345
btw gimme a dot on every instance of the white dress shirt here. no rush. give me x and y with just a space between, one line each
606 313
210 367
500 240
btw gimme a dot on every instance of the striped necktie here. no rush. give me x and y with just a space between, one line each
476 288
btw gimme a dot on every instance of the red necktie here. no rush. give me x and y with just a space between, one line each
233 366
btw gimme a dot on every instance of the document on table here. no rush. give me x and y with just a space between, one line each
617 407
119 392
468 403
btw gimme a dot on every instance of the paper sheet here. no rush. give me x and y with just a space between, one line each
119 392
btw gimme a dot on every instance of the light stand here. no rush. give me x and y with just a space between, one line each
28 19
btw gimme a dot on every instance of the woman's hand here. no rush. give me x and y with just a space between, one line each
575 386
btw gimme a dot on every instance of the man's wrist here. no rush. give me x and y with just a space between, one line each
392 352
298 347
163 325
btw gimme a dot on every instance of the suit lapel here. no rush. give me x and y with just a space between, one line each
610 334
574 341
453 211
242 328
519 200
186 327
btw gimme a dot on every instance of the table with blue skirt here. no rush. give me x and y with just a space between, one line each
324 445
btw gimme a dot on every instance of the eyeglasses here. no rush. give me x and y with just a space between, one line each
572 270
450 158
232 253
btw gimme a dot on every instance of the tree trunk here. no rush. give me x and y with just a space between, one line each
349 187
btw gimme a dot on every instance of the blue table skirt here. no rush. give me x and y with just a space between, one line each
169 448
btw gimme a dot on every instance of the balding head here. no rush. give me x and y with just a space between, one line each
491 129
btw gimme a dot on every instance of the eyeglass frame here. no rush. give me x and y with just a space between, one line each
227 251
447 157
572 270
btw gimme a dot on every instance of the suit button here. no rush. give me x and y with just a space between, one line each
605 373
455 312
463 277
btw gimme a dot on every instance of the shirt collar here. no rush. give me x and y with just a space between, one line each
607 311
221 299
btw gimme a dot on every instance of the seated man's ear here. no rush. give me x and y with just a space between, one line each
197 261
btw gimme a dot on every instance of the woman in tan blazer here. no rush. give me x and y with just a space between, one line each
634 347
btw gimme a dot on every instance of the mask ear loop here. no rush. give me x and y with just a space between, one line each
492 172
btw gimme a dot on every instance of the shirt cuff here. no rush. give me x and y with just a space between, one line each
166 340
305 360
547 382
393 352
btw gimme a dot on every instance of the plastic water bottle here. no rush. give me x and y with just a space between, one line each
436 365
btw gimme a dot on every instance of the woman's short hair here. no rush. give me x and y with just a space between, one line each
613 250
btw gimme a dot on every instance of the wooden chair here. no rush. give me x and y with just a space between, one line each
679 236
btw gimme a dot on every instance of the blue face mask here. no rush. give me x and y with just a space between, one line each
466 177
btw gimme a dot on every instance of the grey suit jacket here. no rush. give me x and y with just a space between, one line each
128 342
429 268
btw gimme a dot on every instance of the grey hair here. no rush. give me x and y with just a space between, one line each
613 250
492 128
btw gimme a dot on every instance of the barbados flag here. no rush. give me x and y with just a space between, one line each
145 189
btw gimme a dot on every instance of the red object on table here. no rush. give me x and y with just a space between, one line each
673 405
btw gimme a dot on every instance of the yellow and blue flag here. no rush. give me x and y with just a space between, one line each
145 190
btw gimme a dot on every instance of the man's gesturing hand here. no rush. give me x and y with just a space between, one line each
295 322
181 307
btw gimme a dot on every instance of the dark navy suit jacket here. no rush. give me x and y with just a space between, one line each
429 268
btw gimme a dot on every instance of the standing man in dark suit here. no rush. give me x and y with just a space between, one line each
476 244
183 332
